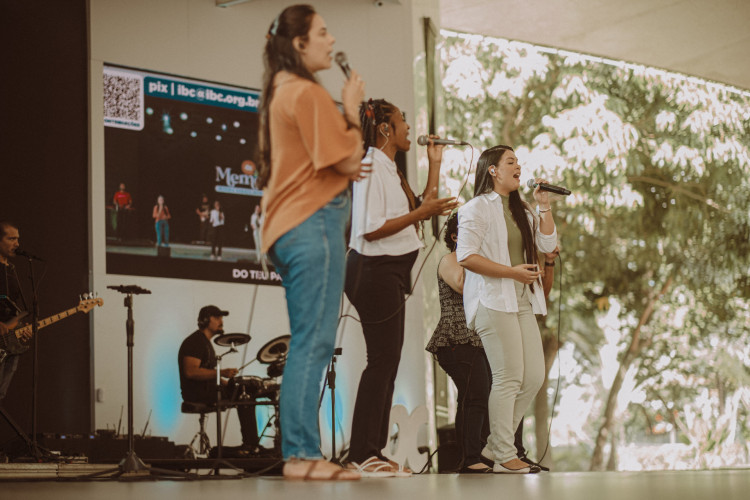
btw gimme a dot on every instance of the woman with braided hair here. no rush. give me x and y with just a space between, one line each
309 153
384 246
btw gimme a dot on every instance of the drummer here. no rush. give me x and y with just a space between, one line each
197 362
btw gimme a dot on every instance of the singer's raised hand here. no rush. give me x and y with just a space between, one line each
435 151
352 95
432 205
541 196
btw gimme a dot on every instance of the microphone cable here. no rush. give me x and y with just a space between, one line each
557 355
424 260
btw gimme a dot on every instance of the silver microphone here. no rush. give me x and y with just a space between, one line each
343 63
424 140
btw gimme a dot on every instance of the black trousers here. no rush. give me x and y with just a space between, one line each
217 240
468 367
204 230
518 441
245 414
376 287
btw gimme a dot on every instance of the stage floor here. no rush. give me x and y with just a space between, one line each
185 251
683 485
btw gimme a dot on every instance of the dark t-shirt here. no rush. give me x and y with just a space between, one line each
204 209
9 288
198 346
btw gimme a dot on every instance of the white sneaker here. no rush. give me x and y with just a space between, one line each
373 467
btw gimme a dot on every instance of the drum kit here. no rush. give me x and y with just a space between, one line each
273 354
256 390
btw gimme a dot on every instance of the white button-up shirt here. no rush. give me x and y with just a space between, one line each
377 198
482 231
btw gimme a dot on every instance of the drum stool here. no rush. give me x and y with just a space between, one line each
204 443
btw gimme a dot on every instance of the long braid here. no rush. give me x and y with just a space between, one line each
371 114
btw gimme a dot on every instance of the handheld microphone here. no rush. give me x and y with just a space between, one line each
23 253
129 289
548 187
343 63
424 140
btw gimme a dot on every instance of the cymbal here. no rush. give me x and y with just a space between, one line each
227 339
274 350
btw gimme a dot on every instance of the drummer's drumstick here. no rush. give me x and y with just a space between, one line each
243 366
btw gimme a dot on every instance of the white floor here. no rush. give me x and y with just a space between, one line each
680 485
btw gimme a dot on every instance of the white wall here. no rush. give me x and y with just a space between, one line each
194 38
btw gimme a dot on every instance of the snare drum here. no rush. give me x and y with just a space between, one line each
248 385
270 389
255 387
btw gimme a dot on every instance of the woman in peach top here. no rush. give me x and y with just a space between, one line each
309 153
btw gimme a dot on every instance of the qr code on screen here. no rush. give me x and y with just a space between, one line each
123 99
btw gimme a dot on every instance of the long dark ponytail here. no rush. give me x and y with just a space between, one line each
280 55
518 208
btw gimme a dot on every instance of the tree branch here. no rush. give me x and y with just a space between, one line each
677 189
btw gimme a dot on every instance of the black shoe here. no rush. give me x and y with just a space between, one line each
469 470
533 464
501 469
486 461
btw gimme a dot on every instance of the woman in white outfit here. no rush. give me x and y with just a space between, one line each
503 291
216 219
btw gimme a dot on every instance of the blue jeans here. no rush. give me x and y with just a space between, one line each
311 260
162 227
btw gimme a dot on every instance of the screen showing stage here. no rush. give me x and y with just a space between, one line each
180 178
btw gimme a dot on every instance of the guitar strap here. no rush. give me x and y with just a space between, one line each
7 308
5 287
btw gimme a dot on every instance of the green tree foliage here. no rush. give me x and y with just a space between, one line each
658 222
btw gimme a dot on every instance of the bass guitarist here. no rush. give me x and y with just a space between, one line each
9 288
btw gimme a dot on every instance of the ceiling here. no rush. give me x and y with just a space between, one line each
705 38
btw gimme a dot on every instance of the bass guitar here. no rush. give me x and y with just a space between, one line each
16 340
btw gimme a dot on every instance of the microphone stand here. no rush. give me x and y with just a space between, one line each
37 453
219 438
131 464
131 467
332 386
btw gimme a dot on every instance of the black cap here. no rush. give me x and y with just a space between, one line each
211 312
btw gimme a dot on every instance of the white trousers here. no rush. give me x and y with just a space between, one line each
514 350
